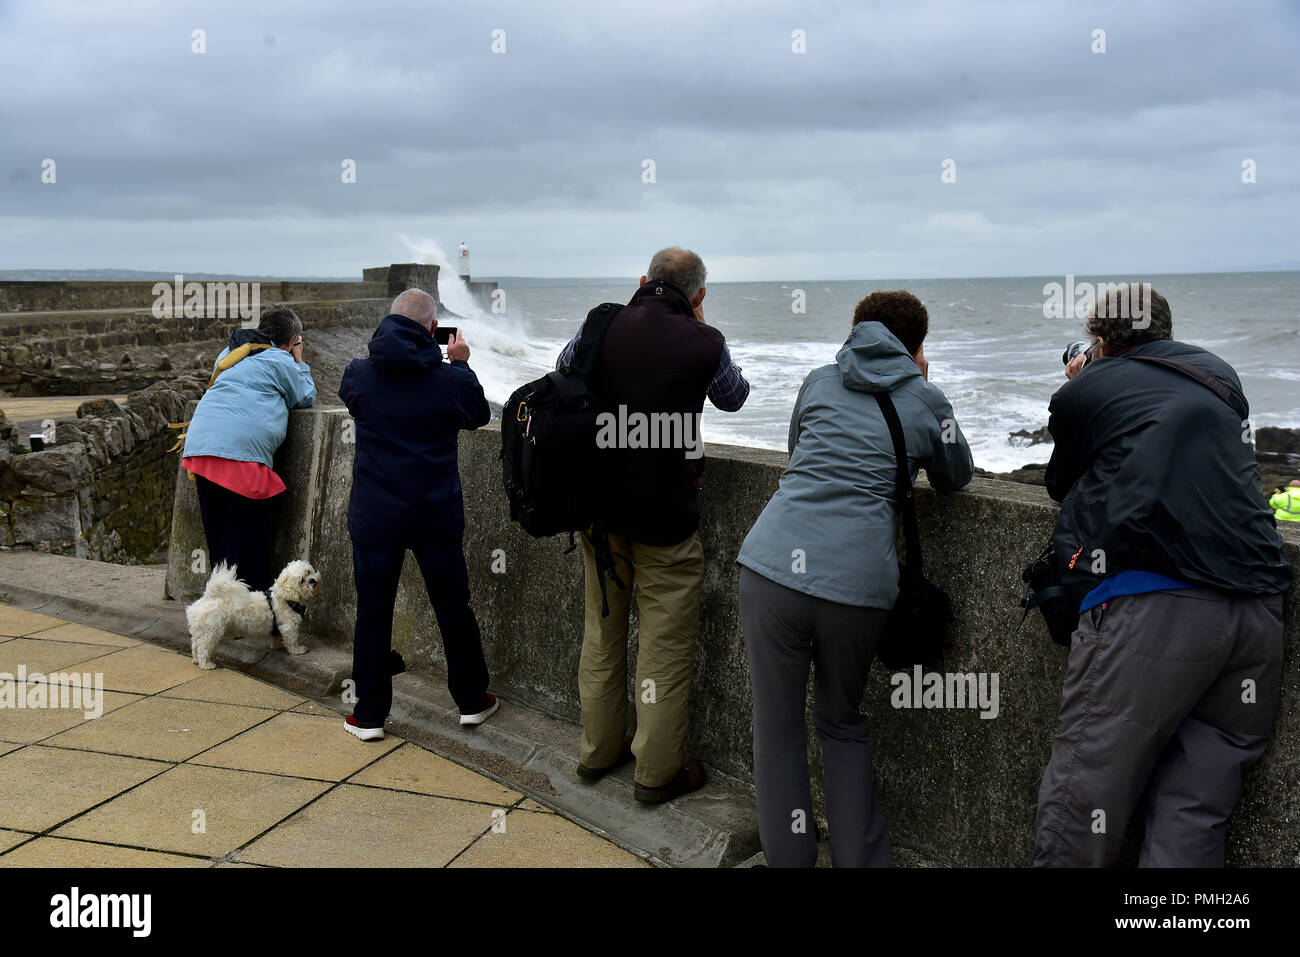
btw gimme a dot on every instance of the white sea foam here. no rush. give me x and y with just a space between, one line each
997 360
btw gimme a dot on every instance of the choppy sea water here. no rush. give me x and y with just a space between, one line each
990 347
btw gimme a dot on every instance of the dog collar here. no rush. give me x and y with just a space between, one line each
297 606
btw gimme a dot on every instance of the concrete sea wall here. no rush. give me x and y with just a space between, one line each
958 789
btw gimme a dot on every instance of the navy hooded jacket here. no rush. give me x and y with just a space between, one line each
409 406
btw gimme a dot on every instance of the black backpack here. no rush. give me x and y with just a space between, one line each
548 449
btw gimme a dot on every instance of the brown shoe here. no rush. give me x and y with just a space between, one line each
592 775
690 778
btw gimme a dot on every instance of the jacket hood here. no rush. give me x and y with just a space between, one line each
874 360
403 347
241 335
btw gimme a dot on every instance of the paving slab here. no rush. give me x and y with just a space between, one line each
71 631
17 621
533 839
195 810
230 687
57 852
412 768
10 839
303 745
37 655
165 729
29 725
30 802
352 826
144 669
312 707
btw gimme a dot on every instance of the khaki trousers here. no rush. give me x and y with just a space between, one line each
668 587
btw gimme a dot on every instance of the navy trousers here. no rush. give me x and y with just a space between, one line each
376 571
238 532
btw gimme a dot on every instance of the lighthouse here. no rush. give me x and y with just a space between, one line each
462 263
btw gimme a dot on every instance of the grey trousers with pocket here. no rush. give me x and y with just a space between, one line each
786 631
1169 699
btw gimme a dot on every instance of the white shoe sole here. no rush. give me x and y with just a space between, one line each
365 734
482 715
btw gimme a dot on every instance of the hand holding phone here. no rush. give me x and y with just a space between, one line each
457 348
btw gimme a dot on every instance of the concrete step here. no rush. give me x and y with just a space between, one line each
524 748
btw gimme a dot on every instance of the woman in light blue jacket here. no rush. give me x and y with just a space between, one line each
232 438
820 575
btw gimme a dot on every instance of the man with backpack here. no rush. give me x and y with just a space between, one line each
1166 543
656 363
409 406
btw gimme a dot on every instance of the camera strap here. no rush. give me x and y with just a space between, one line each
1200 375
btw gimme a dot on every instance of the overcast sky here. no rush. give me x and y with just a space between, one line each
770 163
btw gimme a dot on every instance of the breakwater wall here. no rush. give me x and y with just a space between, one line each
102 337
958 789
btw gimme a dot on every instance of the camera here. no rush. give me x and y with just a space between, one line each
1074 348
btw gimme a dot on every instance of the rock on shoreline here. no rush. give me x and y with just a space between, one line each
1277 452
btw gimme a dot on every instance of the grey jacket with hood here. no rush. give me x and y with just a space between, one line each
829 530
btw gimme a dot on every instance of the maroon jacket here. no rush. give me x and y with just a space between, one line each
656 358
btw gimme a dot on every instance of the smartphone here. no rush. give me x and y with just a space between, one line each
443 333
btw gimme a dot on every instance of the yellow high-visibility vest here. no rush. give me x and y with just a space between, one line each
1286 506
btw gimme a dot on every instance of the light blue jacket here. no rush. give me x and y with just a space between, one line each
829 530
244 414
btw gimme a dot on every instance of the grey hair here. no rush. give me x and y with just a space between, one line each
681 267
1127 313
416 305
280 324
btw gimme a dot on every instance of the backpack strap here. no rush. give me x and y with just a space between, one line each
593 336
1200 375
902 485
604 561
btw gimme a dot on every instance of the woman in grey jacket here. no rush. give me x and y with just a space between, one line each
820 574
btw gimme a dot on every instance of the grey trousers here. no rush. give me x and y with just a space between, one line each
786 631
1168 699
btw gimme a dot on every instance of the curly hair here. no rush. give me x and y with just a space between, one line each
1128 313
898 311
280 323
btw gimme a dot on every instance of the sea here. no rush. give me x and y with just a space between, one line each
992 347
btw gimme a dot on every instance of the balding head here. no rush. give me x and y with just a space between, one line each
681 267
1295 483
416 305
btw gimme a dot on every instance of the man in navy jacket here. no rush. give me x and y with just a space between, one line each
409 406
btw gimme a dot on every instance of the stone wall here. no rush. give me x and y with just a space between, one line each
96 338
958 789
56 296
104 488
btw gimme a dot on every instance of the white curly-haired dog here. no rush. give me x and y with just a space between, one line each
229 608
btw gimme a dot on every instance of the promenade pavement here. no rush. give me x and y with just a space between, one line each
191 768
